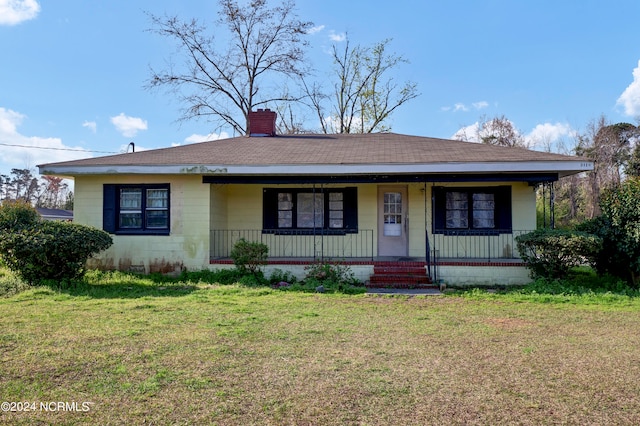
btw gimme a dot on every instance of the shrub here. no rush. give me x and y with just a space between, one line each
16 215
608 260
331 275
52 250
619 227
551 253
248 256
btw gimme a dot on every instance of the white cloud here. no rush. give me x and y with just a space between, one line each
128 126
196 138
91 125
630 98
548 136
13 12
467 133
337 37
464 108
21 151
315 30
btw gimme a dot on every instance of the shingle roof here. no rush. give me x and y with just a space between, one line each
321 149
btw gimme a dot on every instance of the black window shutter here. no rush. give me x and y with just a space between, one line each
109 214
270 209
350 207
439 209
503 207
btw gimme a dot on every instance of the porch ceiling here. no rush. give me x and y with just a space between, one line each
370 178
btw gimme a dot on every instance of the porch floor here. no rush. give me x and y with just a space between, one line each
382 260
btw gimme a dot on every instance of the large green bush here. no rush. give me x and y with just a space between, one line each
17 214
551 253
619 228
51 250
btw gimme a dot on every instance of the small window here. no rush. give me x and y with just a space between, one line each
136 209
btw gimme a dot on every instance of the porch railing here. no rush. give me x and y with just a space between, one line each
482 246
297 244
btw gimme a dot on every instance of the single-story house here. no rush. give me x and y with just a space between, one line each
385 204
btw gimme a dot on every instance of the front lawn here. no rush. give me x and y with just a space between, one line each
121 349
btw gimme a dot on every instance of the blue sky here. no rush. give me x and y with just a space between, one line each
72 71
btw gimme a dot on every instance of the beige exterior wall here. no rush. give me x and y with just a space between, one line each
467 276
198 210
186 247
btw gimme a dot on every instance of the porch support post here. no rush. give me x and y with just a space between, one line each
552 206
544 206
427 248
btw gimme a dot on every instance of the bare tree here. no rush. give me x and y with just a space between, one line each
54 192
494 131
224 83
364 95
609 146
500 131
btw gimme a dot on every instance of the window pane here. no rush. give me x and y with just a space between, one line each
457 200
310 210
157 219
457 210
483 210
285 219
131 199
336 219
285 201
157 198
457 219
130 220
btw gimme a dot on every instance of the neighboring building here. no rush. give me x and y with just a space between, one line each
55 214
449 208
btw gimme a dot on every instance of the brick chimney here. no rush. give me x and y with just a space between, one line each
262 122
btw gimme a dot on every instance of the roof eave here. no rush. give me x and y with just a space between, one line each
563 168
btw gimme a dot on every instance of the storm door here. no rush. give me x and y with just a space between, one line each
392 221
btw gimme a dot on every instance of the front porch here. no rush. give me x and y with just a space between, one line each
479 259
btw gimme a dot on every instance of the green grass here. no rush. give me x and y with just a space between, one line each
144 350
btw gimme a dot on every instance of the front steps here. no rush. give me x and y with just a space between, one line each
399 275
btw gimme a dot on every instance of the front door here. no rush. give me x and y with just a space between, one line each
392 221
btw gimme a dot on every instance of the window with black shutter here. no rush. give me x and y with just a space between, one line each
136 209
468 211
308 210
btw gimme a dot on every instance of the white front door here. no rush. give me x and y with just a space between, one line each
392 221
